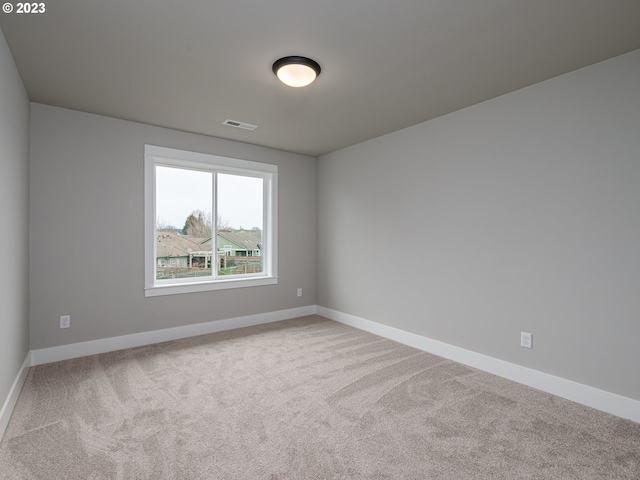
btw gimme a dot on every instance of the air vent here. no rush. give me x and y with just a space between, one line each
234 123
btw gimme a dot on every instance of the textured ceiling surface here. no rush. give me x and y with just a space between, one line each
385 65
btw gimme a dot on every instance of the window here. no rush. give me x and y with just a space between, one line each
205 217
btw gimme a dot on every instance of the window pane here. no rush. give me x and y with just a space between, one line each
240 224
183 223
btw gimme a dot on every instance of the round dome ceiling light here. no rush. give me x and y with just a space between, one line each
296 71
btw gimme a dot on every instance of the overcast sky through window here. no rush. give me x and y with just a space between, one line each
180 191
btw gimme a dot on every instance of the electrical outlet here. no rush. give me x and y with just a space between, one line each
526 340
65 321
299 292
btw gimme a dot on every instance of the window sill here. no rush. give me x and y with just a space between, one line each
193 287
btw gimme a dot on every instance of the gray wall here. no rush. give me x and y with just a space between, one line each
14 219
518 214
87 230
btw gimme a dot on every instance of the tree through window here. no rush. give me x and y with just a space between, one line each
209 222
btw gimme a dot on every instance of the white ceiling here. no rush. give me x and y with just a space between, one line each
386 65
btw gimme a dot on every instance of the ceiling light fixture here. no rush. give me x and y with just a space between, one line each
296 71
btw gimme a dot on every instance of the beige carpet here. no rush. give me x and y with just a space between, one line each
301 399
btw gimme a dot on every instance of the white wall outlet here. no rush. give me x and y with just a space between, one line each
65 321
299 292
526 340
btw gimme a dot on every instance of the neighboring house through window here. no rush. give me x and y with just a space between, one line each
192 198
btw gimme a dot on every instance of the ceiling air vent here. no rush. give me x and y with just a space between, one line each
234 123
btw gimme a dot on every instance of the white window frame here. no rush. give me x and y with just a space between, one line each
155 155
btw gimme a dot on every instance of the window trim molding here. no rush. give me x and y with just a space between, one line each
181 158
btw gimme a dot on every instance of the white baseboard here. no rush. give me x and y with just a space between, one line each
12 398
82 349
592 397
